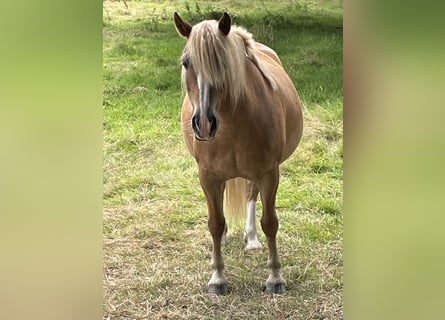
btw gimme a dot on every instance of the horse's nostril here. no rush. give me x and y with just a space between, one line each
195 126
214 126
195 123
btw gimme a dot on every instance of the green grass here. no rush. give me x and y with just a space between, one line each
156 243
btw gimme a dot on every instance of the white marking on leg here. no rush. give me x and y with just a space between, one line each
218 277
251 231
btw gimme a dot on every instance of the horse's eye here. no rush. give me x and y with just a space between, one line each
186 62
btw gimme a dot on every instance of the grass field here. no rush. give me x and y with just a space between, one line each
156 243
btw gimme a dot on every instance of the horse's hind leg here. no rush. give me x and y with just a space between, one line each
251 235
214 190
269 222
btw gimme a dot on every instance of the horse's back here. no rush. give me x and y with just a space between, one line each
265 50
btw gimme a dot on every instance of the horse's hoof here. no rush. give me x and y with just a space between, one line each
252 245
218 289
277 288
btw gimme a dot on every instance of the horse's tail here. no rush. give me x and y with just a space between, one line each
235 198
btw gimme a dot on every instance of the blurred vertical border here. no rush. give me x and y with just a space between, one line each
51 159
394 200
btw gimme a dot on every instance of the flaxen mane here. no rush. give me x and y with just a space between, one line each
220 60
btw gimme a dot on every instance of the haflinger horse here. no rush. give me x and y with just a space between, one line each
241 117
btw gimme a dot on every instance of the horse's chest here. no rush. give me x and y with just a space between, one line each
236 159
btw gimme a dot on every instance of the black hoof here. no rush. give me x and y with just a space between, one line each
278 288
218 289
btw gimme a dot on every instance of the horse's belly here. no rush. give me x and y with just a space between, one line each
294 131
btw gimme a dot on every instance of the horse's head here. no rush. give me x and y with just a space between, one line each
203 71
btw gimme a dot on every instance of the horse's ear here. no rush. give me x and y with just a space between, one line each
183 27
225 23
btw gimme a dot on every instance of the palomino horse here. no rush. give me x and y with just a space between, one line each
241 117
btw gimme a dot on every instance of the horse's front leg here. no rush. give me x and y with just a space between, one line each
214 191
269 222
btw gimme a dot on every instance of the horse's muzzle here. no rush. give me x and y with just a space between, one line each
204 128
